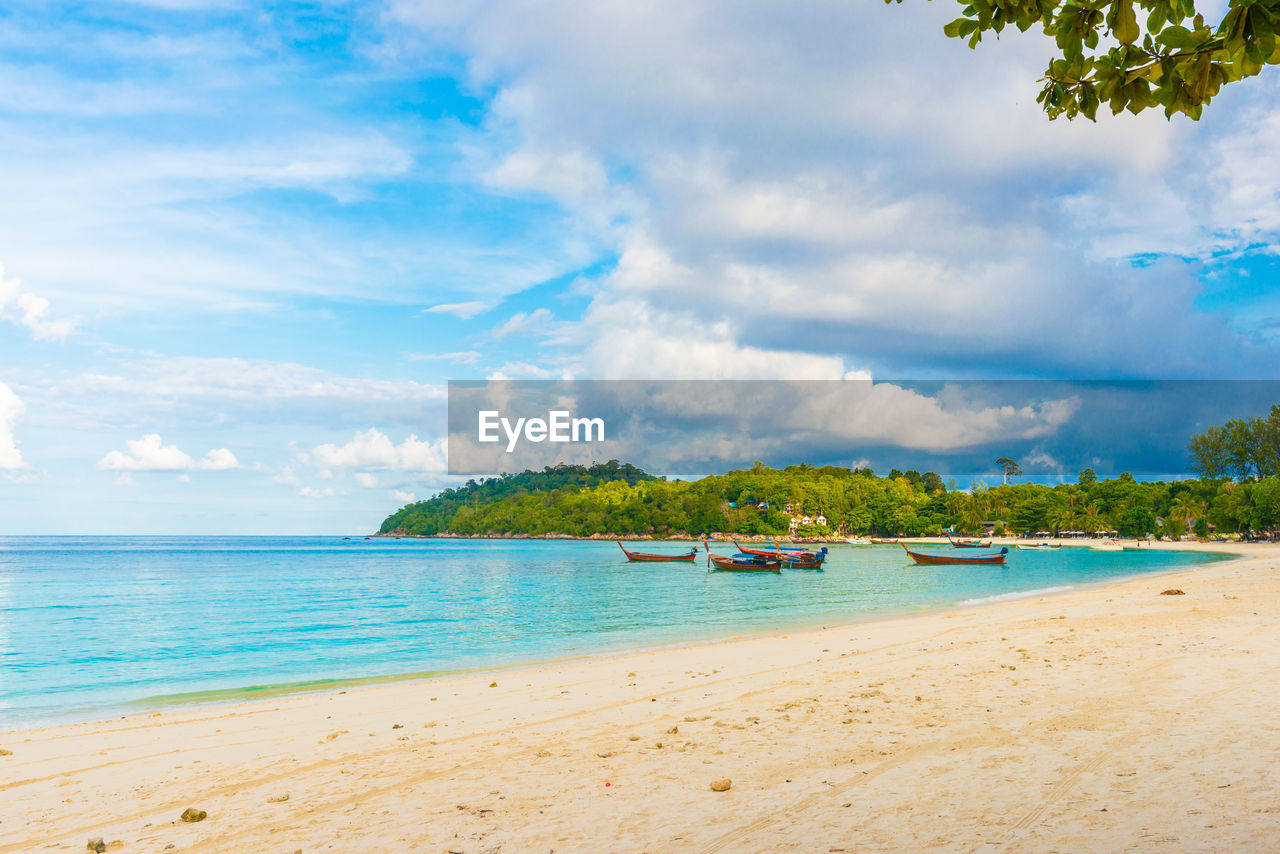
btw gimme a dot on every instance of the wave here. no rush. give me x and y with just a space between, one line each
1017 594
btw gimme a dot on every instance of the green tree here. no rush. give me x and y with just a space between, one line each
1009 467
1087 477
1136 522
1133 54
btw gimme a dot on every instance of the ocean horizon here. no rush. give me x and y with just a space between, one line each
94 626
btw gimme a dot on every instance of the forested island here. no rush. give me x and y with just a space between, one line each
620 500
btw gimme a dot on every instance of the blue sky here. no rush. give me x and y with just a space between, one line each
274 231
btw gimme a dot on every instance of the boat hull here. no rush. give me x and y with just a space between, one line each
728 564
936 560
791 558
647 557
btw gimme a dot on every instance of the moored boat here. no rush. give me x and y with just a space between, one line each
952 557
858 541
1039 547
648 557
792 558
969 544
743 562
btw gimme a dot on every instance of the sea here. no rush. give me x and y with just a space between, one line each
92 627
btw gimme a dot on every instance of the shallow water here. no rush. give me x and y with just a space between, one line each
91 626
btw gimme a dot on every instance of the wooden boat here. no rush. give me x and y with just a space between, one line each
858 541
970 544
1039 547
745 562
932 559
792 558
647 557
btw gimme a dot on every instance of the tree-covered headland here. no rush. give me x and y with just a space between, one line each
1237 491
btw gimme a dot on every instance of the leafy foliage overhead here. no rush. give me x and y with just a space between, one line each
1133 54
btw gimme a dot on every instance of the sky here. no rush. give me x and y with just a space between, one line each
245 246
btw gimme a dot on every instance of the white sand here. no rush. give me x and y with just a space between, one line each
1109 719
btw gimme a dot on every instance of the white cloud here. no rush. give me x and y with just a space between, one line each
11 409
373 450
28 310
527 371
286 477
310 492
366 480
401 495
861 218
219 459
151 454
464 310
230 389
462 357
540 321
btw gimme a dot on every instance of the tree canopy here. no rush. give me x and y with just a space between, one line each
1133 54
622 501
1242 448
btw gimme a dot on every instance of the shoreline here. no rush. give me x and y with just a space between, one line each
234 696
1122 700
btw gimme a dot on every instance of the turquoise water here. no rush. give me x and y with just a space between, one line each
94 626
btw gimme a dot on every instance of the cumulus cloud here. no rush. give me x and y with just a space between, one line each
30 311
11 409
373 450
869 212
151 454
401 495
366 480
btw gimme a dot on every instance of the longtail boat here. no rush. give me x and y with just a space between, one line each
970 544
647 557
1039 547
792 558
926 558
742 562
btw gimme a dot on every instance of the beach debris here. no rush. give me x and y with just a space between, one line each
278 799
191 814
673 730
4 752
721 785
632 673
1172 591
397 726
96 844
605 754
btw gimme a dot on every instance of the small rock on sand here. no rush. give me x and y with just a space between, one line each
278 799
1172 591
191 814
721 785
96 844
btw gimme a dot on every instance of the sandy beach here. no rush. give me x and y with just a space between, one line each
1104 719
